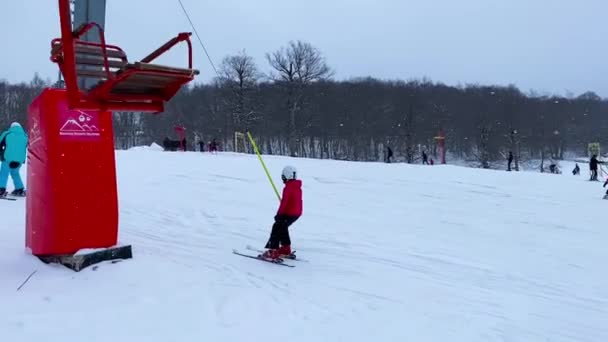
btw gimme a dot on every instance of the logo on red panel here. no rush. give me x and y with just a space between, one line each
79 124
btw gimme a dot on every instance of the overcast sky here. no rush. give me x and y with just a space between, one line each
551 46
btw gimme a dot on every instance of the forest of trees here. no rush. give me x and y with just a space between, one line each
298 109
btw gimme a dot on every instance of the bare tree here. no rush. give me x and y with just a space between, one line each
351 120
239 75
297 66
128 128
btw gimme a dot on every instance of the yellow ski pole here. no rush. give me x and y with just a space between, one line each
257 152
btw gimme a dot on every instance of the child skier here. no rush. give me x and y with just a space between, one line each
13 146
289 211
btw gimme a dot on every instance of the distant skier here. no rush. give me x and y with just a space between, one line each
290 209
13 146
593 162
554 168
425 158
213 146
389 154
577 170
509 161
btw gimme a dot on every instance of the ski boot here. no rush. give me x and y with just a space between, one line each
3 192
272 255
18 193
285 252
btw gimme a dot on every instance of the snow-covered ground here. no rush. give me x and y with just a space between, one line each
395 253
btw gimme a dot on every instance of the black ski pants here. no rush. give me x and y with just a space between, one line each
279 236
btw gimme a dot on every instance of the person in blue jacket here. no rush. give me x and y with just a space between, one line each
13 146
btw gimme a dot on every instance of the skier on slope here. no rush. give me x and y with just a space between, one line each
593 163
13 146
290 209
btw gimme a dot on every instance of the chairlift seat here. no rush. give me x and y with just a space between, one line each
111 81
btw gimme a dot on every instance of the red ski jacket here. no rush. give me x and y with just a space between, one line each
291 201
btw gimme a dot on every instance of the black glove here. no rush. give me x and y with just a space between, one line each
14 164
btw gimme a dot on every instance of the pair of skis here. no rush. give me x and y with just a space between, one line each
280 261
11 198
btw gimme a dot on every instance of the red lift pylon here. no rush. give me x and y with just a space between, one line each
72 202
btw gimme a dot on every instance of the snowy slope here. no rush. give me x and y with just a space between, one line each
396 253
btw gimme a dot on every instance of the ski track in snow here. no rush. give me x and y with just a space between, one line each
396 252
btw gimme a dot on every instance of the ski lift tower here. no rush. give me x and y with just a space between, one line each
72 202
86 11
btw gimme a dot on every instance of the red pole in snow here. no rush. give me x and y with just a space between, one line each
441 142
181 132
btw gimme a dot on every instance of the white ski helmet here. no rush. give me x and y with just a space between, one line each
289 172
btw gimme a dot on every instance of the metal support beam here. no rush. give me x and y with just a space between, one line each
86 11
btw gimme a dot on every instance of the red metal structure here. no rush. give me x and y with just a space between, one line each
121 86
441 143
181 133
72 201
